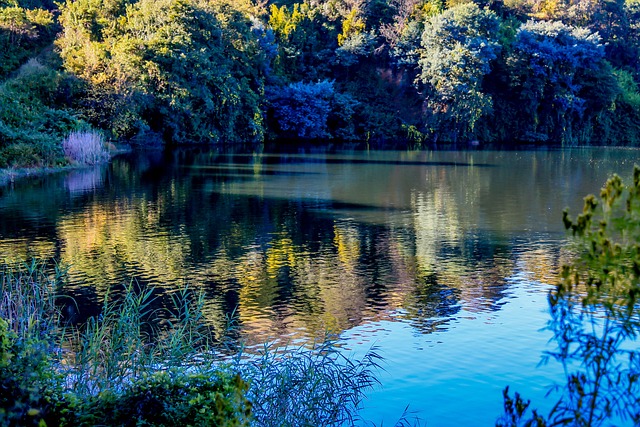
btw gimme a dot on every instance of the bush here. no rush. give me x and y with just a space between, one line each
18 155
312 111
19 400
301 109
595 316
173 399
31 128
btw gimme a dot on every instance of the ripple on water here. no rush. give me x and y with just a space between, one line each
442 259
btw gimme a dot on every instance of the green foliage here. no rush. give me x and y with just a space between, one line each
354 48
595 314
23 32
595 308
558 81
620 124
187 70
184 71
307 37
22 369
173 399
457 49
35 116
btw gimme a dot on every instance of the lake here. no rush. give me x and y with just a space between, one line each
442 260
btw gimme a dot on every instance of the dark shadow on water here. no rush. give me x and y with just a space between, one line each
334 161
329 205
227 171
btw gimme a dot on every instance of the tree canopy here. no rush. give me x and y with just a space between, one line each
384 71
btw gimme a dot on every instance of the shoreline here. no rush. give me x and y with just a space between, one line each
9 176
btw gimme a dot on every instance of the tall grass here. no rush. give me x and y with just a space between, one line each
29 320
111 348
27 300
161 365
85 147
127 341
301 386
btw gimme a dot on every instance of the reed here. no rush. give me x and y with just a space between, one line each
85 147
301 386
132 340
165 360
28 299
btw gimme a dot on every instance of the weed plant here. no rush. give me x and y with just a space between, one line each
136 364
301 386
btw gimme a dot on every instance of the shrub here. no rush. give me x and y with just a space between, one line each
31 128
312 111
18 155
595 316
85 147
173 398
301 109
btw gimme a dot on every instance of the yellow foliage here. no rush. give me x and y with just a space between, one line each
352 25
548 9
39 16
428 9
453 3
284 22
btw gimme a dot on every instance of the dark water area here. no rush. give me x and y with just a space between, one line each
441 259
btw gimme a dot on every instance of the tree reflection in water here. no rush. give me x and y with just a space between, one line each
300 244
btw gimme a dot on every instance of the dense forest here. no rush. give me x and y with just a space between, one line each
427 72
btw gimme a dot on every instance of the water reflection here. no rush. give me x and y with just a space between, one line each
307 243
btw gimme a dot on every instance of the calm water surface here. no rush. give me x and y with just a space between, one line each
440 259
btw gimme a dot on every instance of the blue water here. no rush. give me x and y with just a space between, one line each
456 377
441 261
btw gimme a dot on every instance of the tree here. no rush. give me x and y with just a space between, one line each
22 33
312 111
559 81
307 37
457 48
188 70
